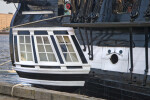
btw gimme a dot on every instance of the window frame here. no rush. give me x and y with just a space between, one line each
53 49
73 45
19 51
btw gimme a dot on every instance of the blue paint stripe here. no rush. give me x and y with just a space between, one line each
57 50
34 51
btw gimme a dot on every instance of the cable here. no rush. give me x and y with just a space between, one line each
39 21
15 6
5 62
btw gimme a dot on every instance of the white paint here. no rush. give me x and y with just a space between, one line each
37 12
102 59
44 29
85 70
54 83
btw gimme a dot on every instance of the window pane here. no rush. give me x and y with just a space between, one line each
74 57
43 57
48 48
46 41
28 48
22 47
51 57
41 48
29 57
27 39
21 39
39 39
70 48
23 56
60 39
66 38
67 57
63 48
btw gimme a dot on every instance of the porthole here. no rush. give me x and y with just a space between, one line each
114 59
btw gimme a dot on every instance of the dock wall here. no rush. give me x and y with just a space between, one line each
39 94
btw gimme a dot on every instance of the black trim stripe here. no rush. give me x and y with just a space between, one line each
16 49
79 49
34 51
54 77
50 67
57 51
40 33
23 33
27 66
74 67
60 32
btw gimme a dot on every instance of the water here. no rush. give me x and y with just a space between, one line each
12 78
4 52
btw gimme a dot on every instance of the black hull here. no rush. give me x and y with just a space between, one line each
116 86
112 90
54 77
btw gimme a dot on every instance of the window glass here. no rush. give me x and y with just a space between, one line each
74 57
41 48
27 38
67 49
22 47
21 39
23 56
70 48
43 57
28 47
29 56
48 48
25 48
44 49
67 57
60 39
51 57
66 38
63 47
46 41
39 40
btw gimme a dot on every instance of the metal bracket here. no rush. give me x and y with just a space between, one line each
131 54
146 56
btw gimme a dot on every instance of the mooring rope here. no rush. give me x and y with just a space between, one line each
12 90
5 62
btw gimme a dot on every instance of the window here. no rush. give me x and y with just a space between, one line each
125 6
25 48
45 49
67 49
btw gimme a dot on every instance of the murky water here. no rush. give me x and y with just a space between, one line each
12 78
4 52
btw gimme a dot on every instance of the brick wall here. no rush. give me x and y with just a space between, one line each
5 20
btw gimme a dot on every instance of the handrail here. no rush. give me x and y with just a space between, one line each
108 24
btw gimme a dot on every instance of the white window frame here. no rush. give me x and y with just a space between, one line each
75 50
54 52
19 52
